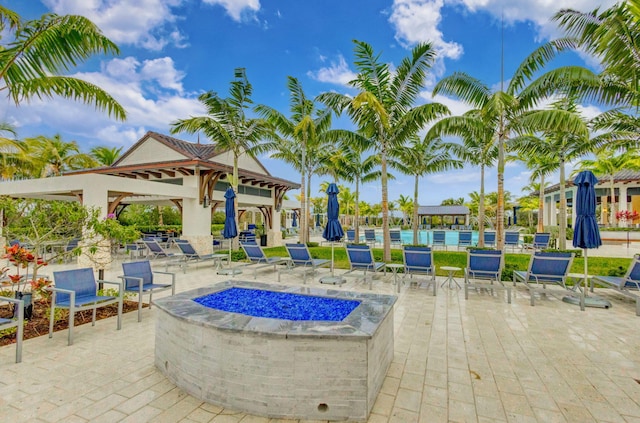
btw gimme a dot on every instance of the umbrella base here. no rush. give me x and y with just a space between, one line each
334 280
229 271
590 301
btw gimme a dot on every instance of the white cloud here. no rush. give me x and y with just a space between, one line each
145 23
150 92
417 21
238 9
336 73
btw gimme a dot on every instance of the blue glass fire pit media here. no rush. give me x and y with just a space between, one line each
278 305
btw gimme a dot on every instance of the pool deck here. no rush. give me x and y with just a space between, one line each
479 360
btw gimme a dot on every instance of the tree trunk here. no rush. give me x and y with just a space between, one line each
481 209
562 224
540 227
386 238
356 208
307 215
234 185
414 219
613 202
500 205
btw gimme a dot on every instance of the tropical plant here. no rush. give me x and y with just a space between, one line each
421 157
106 156
52 156
383 109
301 140
228 126
406 205
35 53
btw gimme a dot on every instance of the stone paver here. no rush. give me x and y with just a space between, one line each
480 360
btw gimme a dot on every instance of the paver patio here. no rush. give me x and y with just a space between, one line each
480 360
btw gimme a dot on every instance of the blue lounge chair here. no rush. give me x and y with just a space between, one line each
256 257
465 239
545 268
628 285
16 322
156 250
396 238
77 290
439 239
351 236
419 261
489 239
300 258
512 240
191 255
484 265
541 241
139 278
361 258
370 237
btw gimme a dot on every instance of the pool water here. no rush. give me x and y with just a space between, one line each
426 237
278 305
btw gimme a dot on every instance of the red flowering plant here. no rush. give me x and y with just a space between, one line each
626 215
21 258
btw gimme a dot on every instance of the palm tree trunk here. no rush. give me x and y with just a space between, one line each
541 205
234 185
307 217
386 238
562 228
500 205
356 208
303 204
481 209
414 220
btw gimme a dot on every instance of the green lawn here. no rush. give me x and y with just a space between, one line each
597 265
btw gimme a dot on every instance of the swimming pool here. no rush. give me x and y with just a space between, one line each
425 237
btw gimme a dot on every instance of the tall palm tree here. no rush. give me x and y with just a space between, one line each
422 157
37 53
51 156
406 206
302 137
227 125
346 199
384 110
106 156
606 164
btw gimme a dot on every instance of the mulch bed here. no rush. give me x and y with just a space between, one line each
38 325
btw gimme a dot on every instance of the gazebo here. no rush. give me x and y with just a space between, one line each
162 170
443 211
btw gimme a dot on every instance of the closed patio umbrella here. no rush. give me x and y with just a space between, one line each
294 220
318 220
333 231
586 233
230 229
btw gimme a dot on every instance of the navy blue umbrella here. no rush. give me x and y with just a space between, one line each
333 231
230 229
586 233
318 220
294 221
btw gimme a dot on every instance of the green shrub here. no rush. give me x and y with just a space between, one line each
312 244
618 271
507 272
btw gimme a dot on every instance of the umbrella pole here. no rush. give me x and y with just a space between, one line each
586 277
332 256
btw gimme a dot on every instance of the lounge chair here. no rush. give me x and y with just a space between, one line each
419 261
370 237
484 265
540 241
512 240
489 239
545 268
156 250
191 255
628 285
16 322
465 239
396 238
77 290
256 256
139 278
439 239
361 258
300 258
351 236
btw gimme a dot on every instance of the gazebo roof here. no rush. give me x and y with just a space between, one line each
443 210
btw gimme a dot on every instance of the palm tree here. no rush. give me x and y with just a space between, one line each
53 156
39 51
406 205
346 199
606 164
541 166
106 156
227 125
302 137
384 111
420 158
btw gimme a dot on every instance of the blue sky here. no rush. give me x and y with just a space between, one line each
173 50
